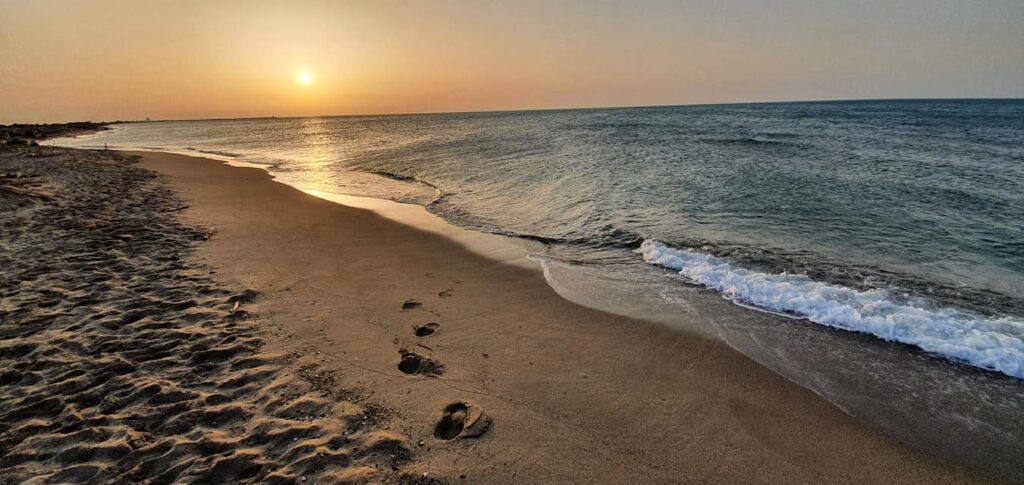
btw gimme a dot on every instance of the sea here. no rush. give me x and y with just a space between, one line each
864 249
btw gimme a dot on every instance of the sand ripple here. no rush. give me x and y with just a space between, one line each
122 361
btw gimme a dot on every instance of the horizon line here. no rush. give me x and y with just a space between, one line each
526 110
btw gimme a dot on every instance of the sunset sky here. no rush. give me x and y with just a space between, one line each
106 60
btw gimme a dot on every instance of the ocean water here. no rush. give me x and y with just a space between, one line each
903 220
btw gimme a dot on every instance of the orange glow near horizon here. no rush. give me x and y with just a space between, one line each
65 60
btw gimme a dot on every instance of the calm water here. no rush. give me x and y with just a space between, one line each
900 219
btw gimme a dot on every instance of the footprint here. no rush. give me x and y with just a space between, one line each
461 420
446 293
414 364
426 330
410 304
246 296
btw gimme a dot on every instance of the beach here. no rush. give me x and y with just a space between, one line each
179 319
125 361
425 243
573 394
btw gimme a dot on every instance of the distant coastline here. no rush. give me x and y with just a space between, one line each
29 134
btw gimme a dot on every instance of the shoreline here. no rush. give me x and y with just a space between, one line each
684 380
922 400
892 313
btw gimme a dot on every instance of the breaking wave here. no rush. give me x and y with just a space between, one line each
986 342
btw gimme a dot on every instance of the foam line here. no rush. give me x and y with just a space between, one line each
986 342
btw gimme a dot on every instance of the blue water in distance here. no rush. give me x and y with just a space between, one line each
901 219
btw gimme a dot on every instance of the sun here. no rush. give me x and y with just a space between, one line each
304 77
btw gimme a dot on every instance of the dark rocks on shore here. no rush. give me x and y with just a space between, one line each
26 134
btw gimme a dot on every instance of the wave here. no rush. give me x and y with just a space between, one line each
214 152
777 134
604 239
986 342
221 153
751 141
416 179
392 175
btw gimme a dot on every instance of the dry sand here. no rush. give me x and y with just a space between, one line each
122 360
571 394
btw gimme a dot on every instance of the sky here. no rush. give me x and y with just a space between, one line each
65 60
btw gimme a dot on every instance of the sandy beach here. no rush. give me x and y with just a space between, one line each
573 395
179 319
125 361
519 242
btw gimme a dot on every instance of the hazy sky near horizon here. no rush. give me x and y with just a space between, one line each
64 60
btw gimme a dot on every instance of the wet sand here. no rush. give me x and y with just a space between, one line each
559 393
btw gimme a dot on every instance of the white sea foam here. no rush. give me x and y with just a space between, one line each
990 343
